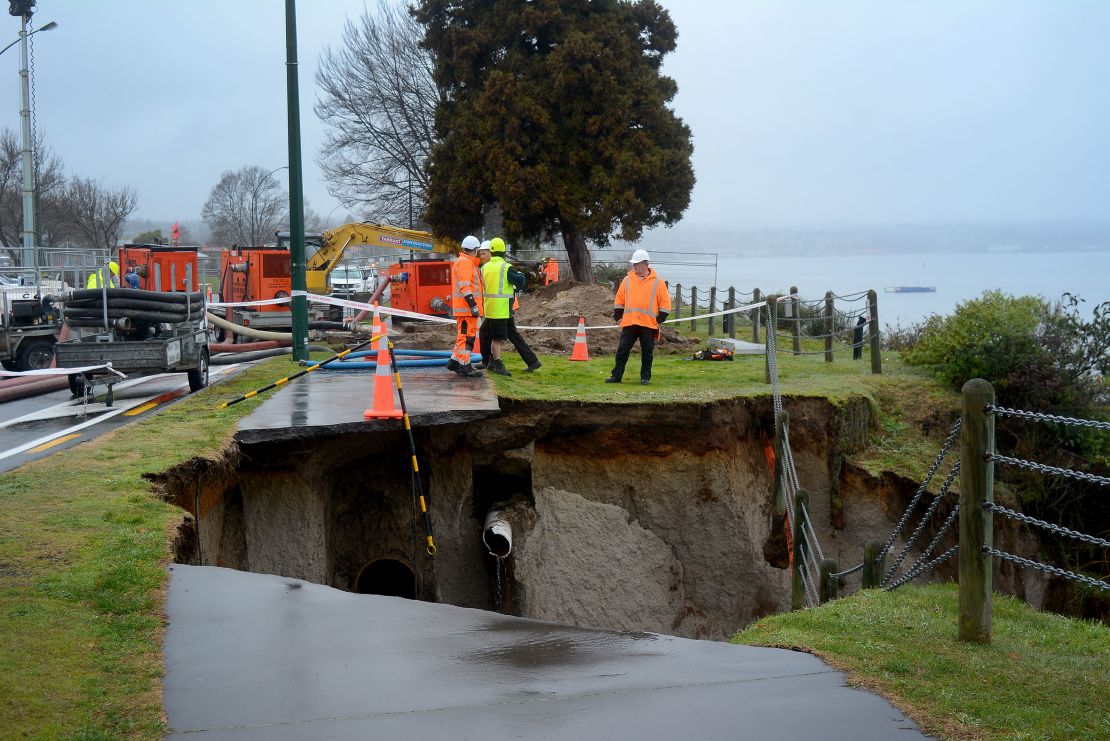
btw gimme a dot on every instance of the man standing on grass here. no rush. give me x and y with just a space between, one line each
641 305
466 295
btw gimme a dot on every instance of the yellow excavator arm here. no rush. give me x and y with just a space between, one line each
335 242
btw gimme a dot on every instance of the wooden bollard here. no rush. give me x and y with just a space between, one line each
829 583
712 308
976 523
756 314
677 300
796 329
732 316
830 309
693 308
873 330
873 567
797 589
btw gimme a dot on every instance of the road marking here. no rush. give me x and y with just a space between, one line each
35 443
140 409
52 443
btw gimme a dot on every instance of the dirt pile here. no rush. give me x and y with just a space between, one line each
557 305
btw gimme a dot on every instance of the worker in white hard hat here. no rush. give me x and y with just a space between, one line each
466 306
640 307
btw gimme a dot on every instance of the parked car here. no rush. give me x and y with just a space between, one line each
352 279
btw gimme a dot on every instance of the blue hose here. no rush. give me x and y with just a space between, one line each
402 351
353 365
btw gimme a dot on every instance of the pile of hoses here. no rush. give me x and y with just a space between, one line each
86 307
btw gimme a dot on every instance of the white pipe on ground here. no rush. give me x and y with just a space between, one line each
497 535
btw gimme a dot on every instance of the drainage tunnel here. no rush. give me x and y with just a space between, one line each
387 577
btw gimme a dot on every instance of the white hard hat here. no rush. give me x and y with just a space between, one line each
485 245
470 243
640 256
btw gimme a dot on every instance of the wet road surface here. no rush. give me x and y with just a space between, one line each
253 656
327 403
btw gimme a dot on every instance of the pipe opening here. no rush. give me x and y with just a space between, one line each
387 577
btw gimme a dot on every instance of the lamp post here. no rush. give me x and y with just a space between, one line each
30 253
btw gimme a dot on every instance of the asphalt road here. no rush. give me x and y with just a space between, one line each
44 425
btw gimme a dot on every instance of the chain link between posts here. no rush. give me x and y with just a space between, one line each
1041 417
924 521
1058 529
1043 468
912 574
1056 571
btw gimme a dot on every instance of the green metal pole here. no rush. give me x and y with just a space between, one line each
299 304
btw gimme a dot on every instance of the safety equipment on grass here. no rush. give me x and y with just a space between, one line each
713 353
497 244
640 256
470 243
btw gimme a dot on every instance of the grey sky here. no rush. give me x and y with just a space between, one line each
803 113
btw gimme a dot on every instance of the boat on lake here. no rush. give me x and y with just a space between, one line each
912 289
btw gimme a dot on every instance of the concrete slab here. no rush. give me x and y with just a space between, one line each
329 403
252 656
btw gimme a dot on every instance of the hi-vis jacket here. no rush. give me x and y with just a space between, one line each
642 299
466 280
497 291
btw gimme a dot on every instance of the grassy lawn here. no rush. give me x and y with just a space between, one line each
83 545
1042 677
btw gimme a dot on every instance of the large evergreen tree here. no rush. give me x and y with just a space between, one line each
556 111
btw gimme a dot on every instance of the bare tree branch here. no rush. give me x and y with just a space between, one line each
96 212
378 100
246 207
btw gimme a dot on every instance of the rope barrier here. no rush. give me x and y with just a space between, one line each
847 572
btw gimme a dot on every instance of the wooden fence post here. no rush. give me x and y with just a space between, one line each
796 330
756 313
677 300
772 326
876 350
732 316
976 523
829 583
872 566
797 589
712 308
693 308
830 308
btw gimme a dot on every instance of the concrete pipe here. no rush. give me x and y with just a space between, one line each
497 535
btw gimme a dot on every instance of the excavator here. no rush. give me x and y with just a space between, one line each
254 274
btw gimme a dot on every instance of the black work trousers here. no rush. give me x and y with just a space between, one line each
629 335
485 343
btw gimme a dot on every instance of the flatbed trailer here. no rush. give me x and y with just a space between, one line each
184 350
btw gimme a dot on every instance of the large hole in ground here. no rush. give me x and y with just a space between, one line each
653 518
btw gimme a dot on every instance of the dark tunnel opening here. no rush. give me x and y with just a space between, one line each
387 577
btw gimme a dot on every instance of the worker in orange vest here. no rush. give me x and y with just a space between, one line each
466 306
641 305
550 271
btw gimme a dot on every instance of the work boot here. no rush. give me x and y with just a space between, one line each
480 366
498 367
645 381
612 379
467 371
453 365
533 367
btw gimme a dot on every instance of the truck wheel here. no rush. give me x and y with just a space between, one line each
35 355
198 378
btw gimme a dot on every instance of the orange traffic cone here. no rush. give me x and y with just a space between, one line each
382 406
580 351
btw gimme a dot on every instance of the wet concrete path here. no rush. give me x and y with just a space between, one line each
252 656
327 403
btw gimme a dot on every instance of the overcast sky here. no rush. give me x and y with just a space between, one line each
803 113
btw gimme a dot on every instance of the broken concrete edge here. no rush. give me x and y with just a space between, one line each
286 434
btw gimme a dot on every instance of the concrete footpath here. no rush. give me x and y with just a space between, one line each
252 656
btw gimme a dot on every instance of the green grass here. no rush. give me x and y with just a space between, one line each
83 546
1042 677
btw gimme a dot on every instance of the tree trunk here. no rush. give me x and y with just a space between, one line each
581 266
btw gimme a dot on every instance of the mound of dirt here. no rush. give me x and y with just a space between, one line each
557 305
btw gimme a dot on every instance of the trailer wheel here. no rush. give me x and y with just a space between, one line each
8 365
35 355
76 385
198 378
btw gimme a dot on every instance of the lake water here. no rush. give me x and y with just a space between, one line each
957 278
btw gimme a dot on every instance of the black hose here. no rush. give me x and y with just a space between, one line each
230 358
175 297
157 317
129 303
